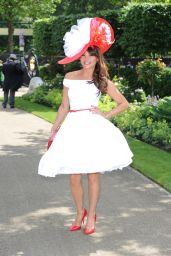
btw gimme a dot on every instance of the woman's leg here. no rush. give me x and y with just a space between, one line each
77 193
93 194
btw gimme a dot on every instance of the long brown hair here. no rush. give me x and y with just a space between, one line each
100 74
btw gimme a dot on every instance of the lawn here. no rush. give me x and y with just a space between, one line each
44 112
152 162
149 160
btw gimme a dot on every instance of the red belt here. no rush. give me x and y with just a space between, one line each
76 110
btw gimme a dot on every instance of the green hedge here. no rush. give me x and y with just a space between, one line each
42 30
146 29
46 96
141 30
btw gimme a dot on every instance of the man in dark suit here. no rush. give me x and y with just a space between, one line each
13 79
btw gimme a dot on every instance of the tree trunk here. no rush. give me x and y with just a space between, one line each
10 36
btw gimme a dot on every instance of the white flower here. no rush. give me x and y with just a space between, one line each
77 38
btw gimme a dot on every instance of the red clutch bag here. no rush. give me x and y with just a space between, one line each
50 140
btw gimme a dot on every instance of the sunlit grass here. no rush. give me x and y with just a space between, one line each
152 162
44 112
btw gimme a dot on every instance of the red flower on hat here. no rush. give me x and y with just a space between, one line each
101 34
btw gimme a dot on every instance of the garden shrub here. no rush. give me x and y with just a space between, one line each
106 103
50 70
38 95
161 134
130 75
57 81
163 110
143 123
163 87
44 72
148 72
132 95
129 78
55 68
54 98
45 95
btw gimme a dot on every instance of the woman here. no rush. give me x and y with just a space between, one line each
87 141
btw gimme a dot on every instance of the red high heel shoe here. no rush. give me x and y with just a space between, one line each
88 231
75 227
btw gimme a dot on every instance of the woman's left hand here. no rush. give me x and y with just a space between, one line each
96 110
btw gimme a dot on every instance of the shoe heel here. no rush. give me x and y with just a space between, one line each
74 227
84 215
88 231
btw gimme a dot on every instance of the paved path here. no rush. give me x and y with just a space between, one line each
133 217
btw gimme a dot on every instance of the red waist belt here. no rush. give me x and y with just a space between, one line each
76 110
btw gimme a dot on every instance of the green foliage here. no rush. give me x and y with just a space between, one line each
130 75
45 95
163 109
143 123
132 95
42 36
152 1
44 72
163 87
54 98
51 71
9 10
18 9
106 103
81 6
72 66
148 71
38 95
146 29
57 82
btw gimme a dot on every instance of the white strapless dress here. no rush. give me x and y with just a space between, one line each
86 142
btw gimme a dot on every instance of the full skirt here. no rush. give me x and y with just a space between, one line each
85 143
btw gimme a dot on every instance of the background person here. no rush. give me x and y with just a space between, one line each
13 79
1 74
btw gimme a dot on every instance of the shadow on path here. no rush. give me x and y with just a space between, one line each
133 216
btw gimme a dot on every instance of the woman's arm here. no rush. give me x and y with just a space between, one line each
62 111
122 103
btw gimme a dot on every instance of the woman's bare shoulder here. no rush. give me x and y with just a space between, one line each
72 75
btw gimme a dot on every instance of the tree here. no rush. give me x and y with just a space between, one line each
151 1
10 10
148 72
82 6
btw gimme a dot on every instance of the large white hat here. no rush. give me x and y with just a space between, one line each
88 32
